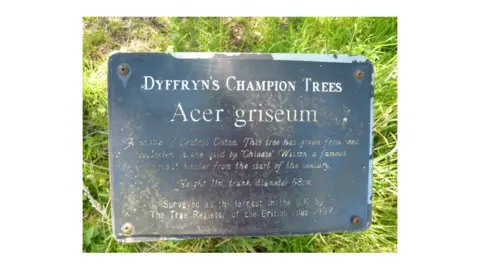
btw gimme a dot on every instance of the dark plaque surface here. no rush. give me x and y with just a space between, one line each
218 144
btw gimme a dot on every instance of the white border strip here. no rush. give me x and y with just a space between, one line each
334 58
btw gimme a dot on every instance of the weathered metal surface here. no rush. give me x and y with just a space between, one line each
196 150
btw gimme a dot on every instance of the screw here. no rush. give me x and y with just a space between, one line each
127 228
124 69
358 75
355 219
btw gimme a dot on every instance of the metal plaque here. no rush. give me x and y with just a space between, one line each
230 144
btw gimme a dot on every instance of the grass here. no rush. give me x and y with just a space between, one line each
375 38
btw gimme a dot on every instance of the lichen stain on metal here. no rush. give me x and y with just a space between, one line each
192 55
232 54
365 61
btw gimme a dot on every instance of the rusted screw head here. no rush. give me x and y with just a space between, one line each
355 219
127 228
123 69
358 74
